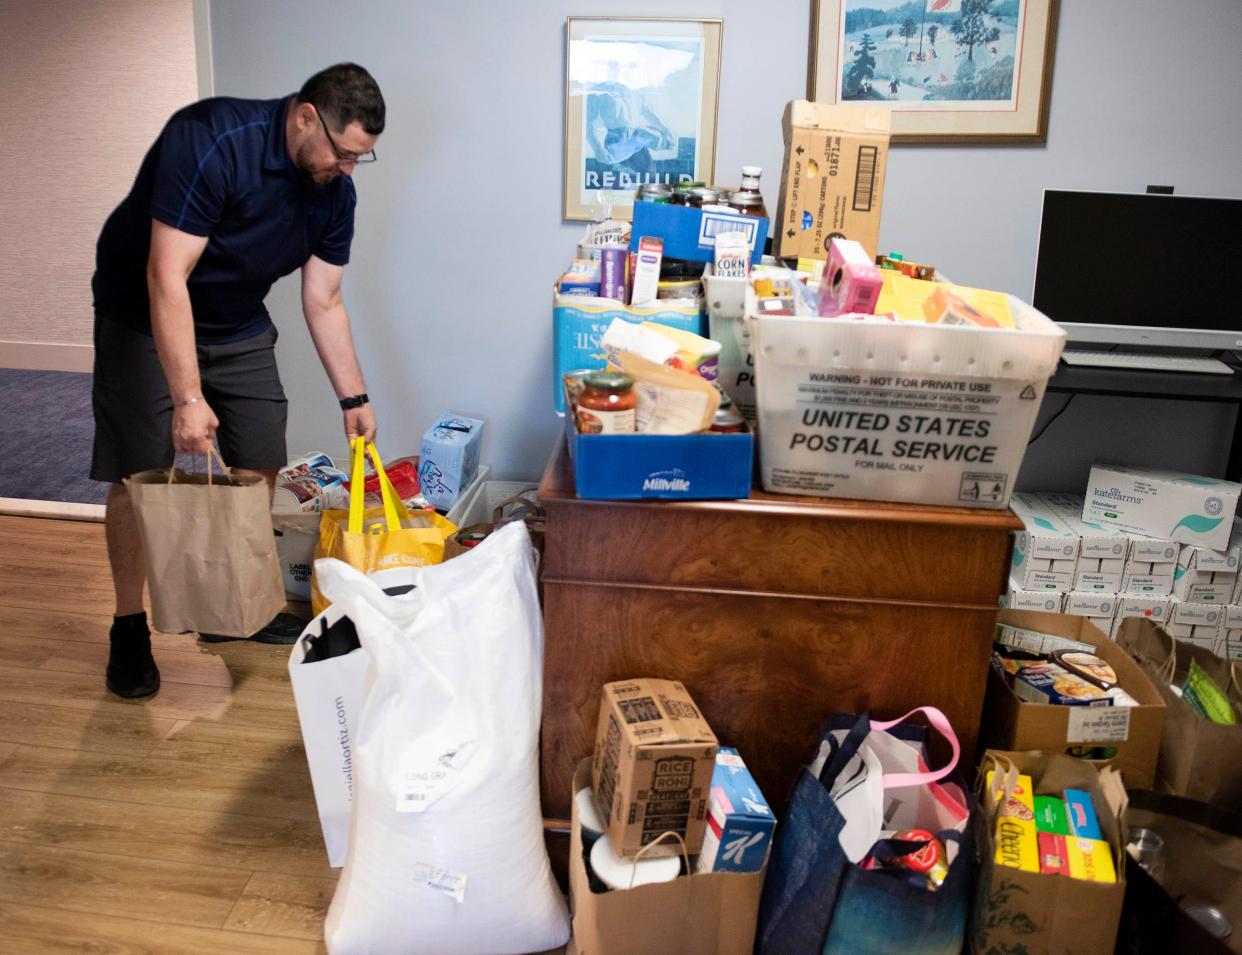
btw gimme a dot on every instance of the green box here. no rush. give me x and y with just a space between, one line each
1050 815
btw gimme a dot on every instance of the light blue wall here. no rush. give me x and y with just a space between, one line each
459 230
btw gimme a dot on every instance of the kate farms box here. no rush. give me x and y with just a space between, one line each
653 764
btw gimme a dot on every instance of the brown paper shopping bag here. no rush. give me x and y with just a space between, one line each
1199 759
710 913
210 552
1043 913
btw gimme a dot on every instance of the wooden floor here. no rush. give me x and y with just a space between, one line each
183 823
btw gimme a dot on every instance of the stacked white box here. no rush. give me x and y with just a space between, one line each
1101 608
1041 600
1231 634
1209 576
1045 552
1196 510
1102 550
1197 623
1155 609
1150 565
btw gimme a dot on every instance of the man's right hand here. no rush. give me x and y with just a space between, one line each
193 427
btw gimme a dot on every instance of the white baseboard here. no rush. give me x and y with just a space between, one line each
17 507
46 356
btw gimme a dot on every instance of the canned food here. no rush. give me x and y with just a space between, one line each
680 289
728 420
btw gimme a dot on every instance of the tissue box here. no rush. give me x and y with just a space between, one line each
449 458
739 822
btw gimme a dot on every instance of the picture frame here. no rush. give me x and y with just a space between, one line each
955 71
641 105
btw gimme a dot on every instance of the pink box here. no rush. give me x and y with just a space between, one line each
851 281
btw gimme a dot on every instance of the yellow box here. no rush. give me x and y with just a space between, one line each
1017 844
1090 860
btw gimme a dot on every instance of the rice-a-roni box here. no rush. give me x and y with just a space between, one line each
1162 504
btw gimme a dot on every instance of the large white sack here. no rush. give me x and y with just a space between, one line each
446 851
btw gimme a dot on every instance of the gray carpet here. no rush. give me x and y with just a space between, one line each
46 431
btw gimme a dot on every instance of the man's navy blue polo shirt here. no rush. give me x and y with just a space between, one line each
221 169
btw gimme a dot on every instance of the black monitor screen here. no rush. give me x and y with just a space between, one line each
1141 260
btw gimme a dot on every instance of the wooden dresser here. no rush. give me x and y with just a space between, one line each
774 611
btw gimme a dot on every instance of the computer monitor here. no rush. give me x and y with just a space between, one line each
1139 269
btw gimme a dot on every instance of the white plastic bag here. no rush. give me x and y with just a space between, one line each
329 696
446 851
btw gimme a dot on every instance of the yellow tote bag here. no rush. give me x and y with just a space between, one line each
377 538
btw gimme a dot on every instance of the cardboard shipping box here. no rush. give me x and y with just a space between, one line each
832 182
1134 731
653 764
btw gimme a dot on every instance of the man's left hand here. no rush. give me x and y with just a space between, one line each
360 422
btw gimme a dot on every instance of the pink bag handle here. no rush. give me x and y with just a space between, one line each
940 723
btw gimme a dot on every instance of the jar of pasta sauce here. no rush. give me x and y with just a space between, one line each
608 404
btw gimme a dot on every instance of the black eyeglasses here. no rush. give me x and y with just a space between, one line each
343 156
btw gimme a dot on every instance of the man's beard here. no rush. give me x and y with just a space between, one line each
308 177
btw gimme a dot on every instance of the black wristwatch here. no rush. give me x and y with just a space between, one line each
354 401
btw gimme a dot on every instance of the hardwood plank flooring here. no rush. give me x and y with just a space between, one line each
66 625
49 931
274 904
182 823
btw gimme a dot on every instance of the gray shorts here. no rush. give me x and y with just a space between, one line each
133 409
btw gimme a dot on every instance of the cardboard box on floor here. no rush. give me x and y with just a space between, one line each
708 913
832 181
1012 724
653 764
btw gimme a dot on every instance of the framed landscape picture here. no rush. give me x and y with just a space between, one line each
952 70
640 106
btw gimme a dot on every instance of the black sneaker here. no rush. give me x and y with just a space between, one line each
132 672
284 630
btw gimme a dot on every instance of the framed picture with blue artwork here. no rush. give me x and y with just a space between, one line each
952 71
641 101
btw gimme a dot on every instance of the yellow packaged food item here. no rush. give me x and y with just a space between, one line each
1017 845
1090 860
942 307
904 297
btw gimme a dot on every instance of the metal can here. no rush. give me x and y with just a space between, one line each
691 289
655 192
728 420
